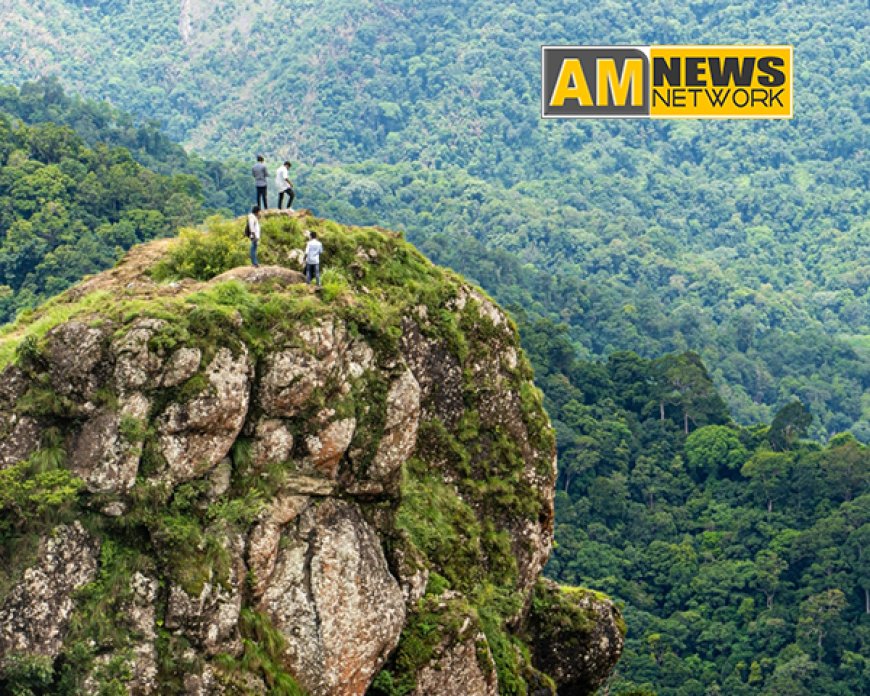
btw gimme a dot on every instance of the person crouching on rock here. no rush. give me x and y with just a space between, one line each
252 230
313 249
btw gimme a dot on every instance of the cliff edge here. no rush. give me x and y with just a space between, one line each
216 480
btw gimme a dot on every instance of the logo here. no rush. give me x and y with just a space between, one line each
666 82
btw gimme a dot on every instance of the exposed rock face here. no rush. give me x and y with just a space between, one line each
263 545
142 660
400 431
136 366
196 435
457 672
323 364
461 662
329 445
141 612
20 439
78 360
211 617
272 444
35 615
332 593
438 373
181 366
102 455
20 433
293 486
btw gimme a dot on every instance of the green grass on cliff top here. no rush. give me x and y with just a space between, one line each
371 277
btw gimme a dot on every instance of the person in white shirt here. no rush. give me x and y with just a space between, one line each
284 185
313 249
253 232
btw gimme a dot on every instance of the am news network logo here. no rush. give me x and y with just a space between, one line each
666 82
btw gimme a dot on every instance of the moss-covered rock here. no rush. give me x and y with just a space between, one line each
576 635
281 471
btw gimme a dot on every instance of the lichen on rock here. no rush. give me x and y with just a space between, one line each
35 615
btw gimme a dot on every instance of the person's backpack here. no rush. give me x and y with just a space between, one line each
248 229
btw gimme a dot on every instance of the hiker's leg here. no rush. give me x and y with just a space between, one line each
254 252
317 269
308 273
280 199
291 194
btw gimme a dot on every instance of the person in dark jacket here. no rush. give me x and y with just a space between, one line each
260 175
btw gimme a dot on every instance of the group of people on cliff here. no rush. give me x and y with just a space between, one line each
313 247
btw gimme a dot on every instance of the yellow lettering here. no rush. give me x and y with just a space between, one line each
571 71
610 82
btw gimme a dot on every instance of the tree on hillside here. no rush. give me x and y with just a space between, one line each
769 568
683 382
768 474
790 424
714 449
846 464
817 614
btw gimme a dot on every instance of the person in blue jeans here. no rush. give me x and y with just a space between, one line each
313 249
254 233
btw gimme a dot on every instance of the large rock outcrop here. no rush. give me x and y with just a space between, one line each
244 482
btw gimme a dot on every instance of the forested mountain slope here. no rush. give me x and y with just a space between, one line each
743 241
67 210
224 184
74 193
740 553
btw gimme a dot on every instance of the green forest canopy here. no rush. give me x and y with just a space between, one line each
778 318
745 242
738 550
741 554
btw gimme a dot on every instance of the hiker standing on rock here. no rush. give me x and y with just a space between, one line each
313 249
285 186
260 175
252 231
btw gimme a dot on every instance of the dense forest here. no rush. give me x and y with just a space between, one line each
742 241
778 317
741 553
224 185
81 182
67 210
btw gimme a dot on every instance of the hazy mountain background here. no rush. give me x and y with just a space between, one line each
746 241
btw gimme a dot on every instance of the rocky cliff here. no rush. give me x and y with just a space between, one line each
216 480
